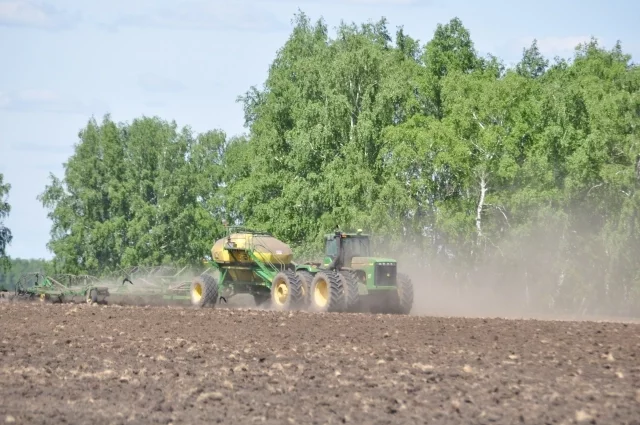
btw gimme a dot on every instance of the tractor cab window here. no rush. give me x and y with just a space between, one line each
355 247
331 248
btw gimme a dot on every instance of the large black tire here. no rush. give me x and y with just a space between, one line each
92 296
327 293
306 279
350 285
204 291
405 293
286 291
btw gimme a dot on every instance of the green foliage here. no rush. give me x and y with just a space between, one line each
19 266
533 64
522 179
481 169
5 232
136 194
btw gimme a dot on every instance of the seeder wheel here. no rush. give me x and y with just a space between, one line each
204 291
287 291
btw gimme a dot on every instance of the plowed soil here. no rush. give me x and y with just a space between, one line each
116 365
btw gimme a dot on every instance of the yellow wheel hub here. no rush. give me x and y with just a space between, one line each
197 292
282 292
321 293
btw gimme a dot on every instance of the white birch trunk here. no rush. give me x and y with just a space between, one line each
483 192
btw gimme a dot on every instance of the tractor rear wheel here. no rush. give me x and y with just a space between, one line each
306 279
405 294
204 291
286 291
327 293
350 285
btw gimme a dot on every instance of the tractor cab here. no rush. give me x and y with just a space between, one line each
353 251
341 248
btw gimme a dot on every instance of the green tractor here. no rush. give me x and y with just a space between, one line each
256 263
351 279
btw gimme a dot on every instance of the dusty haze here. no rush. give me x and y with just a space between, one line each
521 277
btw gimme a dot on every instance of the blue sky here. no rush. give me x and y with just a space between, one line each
64 61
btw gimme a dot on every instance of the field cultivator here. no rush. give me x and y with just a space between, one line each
149 285
60 288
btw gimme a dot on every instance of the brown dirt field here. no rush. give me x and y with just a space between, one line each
115 365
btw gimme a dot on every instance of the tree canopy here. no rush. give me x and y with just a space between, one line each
18 267
5 232
523 178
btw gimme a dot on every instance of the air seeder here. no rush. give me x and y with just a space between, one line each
150 284
348 278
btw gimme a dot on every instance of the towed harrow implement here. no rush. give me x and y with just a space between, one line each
135 285
60 288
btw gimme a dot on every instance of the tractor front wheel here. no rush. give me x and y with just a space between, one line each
405 294
204 291
327 292
287 291
350 285
92 296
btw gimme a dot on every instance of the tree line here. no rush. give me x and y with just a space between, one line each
18 267
520 178
5 233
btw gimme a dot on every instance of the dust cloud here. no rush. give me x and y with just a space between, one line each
543 273
151 285
537 275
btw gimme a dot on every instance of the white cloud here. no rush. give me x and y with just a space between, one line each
33 95
200 15
27 13
43 148
37 100
5 100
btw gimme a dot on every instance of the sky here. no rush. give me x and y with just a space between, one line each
66 61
